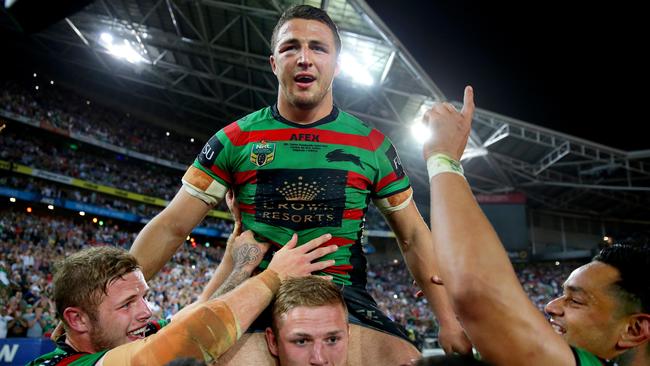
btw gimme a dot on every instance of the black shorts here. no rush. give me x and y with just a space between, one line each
362 310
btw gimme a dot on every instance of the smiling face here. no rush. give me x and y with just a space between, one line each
305 61
588 315
311 336
123 313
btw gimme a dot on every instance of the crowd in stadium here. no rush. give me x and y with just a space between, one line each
69 112
46 151
31 243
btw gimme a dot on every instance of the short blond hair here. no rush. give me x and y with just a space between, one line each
310 291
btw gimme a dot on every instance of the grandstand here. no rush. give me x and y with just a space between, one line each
94 144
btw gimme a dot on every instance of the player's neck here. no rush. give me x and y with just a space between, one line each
80 342
305 116
638 356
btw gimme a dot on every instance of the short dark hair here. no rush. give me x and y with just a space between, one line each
81 280
310 13
632 260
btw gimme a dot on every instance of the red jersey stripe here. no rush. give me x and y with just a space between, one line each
70 359
390 178
250 209
247 177
359 181
339 241
353 214
221 174
342 269
239 137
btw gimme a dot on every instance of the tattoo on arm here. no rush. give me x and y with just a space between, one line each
246 254
242 256
236 277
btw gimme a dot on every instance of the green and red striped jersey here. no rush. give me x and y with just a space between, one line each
310 179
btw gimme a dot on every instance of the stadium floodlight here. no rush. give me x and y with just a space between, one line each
355 70
420 132
82 213
50 207
12 199
35 75
126 51
122 50
106 38
363 59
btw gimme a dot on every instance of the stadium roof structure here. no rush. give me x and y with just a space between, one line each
205 63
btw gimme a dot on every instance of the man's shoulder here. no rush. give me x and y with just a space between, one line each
353 123
584 358
251 119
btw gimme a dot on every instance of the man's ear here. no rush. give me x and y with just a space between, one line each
272 62
271 341
636 332
76 319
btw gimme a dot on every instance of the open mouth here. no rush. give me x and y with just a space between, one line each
304 81
138 333
558 328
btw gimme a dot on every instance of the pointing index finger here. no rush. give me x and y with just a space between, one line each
468 101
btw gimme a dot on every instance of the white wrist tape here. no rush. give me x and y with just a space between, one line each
441 163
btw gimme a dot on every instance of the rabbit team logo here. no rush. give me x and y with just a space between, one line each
262 153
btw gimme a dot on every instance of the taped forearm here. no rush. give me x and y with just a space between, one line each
249 299
204 333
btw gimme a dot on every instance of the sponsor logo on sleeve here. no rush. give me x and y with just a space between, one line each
392 156
210 151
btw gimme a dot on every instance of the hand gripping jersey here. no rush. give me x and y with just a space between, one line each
310 179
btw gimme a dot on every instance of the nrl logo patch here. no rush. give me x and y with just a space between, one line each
262 153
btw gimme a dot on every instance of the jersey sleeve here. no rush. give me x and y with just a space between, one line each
209 177
392 188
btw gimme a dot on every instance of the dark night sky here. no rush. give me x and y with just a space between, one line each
575 68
